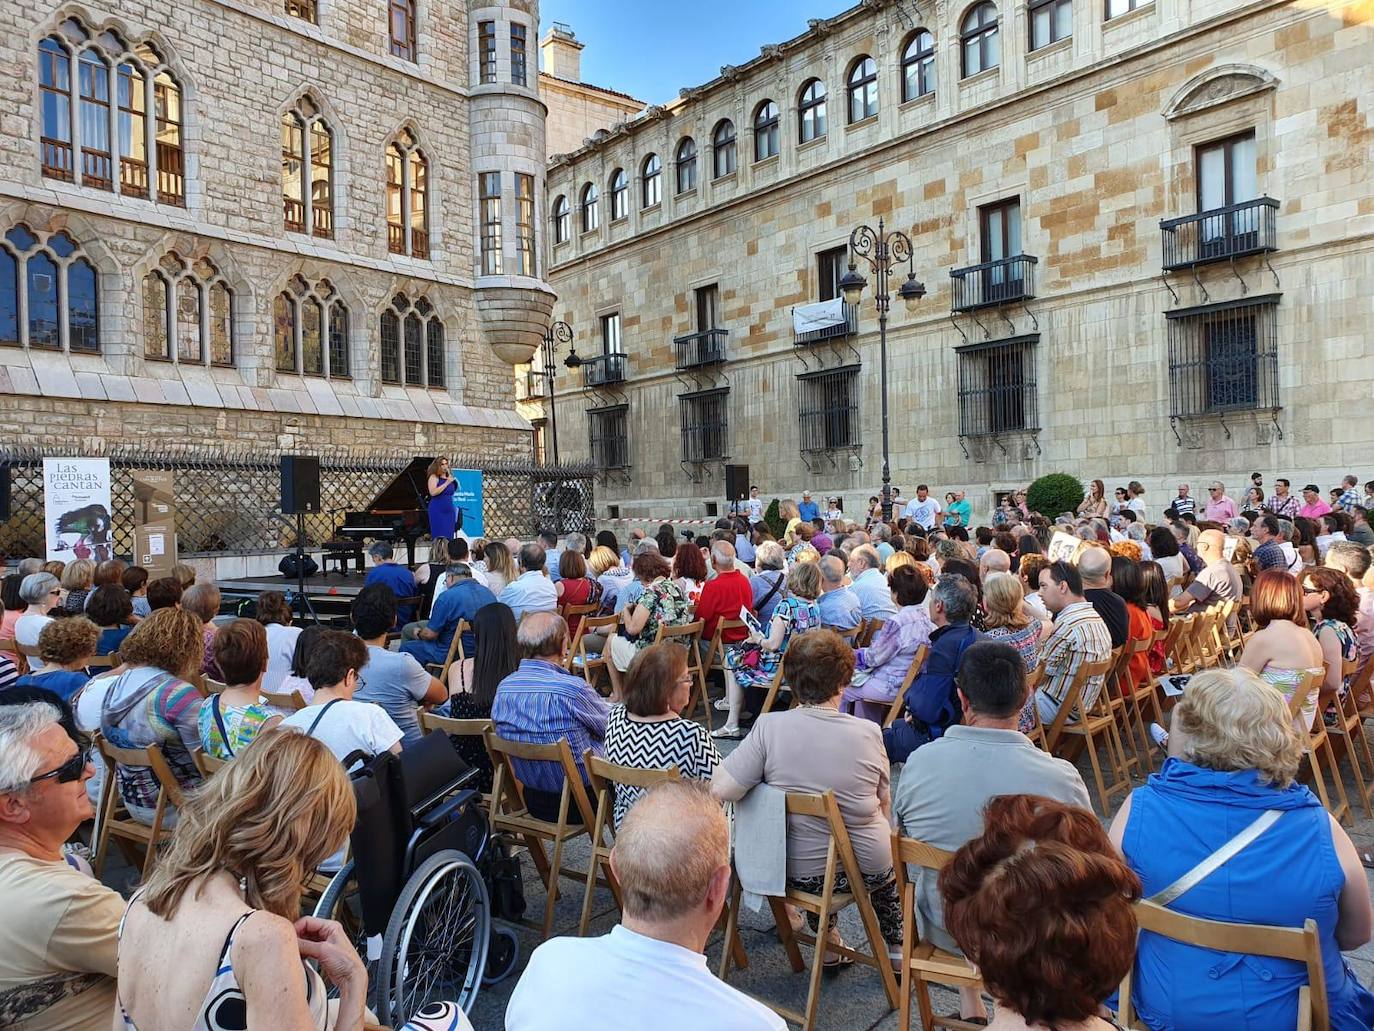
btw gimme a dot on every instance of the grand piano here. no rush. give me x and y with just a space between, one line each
398 513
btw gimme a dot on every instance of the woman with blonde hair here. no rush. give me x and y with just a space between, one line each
215 940
1008 620
500 567
899 560
601 559
1232 767
78 579
790 514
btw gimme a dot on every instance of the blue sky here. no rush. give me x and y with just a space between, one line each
633 48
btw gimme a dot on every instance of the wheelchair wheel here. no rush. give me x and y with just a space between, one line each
339 902
502 955
435 947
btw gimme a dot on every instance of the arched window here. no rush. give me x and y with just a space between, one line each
55 92
978 41
93 84
686 165
591 208
651 173
413 343
132 84
188 313
560 219
307 170
918 65
310 330
811 120
620 195
766 139
49 293
863 89
407 197
723 148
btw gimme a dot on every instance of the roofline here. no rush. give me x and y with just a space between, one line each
591 87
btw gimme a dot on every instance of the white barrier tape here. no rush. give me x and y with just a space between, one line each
670 522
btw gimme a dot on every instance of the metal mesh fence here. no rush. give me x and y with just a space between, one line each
228 501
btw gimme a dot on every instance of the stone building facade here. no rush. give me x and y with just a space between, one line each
577 109
1143 230
280 224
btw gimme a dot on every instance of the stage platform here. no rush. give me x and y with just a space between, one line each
317 586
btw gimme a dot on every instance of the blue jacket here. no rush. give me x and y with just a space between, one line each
931 700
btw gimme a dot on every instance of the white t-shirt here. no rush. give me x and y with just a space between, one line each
1138 507
625 981
281 646
754 508
924 512
27 628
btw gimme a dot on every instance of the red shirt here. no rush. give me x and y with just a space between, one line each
722 598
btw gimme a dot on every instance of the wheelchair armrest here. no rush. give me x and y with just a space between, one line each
443 812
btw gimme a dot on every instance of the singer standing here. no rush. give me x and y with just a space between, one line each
442 515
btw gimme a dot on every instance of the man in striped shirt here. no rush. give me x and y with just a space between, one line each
541 703
1281 502
1079 636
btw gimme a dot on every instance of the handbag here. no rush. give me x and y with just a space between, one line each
1211 864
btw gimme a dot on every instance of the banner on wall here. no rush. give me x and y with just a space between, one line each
77 509
467 499
155 538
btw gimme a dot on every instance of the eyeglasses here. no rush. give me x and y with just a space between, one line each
69 771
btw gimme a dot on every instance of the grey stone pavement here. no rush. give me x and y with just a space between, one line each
854 1000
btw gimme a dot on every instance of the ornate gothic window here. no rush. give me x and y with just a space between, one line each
310 330
407 197
49 293
188 313
307 170
412 343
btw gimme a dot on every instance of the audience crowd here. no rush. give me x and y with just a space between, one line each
898 656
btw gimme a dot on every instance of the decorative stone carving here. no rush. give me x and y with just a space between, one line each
818 27
1264 432
730 72
690 92
771 51
1191 435
514 319
1223 84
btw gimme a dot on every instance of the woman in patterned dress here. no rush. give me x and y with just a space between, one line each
661 604
1009 621
235 716
1333 606
646 730
880 668
753 663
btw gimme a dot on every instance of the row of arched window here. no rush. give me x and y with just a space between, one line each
979 51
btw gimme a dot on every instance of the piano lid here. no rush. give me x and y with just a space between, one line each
406 492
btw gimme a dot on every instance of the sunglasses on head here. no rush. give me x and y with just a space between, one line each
69 771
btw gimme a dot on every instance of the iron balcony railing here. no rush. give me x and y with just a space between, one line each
993 283
602 370
1221 234
848 328
704 347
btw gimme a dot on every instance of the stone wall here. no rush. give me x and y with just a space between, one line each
1096 136
577 111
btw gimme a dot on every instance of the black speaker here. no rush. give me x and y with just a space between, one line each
300 484
736 482
4 493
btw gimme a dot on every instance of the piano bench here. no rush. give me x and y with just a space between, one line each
339 555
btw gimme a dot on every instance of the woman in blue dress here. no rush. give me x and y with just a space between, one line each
441 484
1233 759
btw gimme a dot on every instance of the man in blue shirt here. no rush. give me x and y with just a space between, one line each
531 591
549 541
839 605
393 575
460 601
869 584
808 509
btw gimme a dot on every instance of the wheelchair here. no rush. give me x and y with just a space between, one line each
414 895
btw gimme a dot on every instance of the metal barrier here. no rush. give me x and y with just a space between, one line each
228 500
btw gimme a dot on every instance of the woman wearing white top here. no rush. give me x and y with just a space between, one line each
1164 550
41 591
275 616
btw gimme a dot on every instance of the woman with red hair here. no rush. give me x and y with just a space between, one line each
1283 650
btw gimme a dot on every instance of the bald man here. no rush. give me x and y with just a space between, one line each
994 560
1095 567
672 859
1218 580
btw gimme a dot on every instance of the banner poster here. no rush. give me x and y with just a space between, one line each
1062 546
467 499
76 509
155 537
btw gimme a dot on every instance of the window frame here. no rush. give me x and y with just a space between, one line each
519 55
403 312
404 236
830 427
724 147
589 207
685 166
812 108
921 60
1227 145
1055 7
619 192
405 46
560 214
526 249
46 248
650 182
307 119
1130 5
490 234
861 89
486 53
984 35
767 132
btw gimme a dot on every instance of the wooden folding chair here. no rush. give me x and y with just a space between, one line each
456 653
430 722
870 630
114 819
208 764
1143 695
579 613
895 709
1316 741
1360 689
775 686
689 634
1301 945
715 652
1350 728
1092 721
108 661
592 665
21 660
1118 685
1037 731
291 701
922 962
839 856
605 776
510 814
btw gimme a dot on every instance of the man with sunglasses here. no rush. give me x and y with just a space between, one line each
58 938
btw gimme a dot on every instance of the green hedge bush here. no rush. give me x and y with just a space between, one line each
1054 494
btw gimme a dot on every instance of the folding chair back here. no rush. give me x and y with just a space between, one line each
21 661
839 859
1301 945
895 709
605 777
870 630
715 654
1094 720
689 635
107 661
113 819
579 613
290 701
510 814
208 764
1317 742
456 652
922 962
591 665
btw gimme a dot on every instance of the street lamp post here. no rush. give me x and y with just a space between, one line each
882 250
558 333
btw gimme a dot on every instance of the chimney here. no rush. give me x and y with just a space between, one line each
562 53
